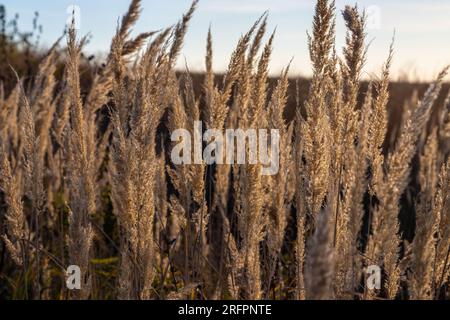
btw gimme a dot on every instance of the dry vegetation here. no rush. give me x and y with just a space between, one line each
86 177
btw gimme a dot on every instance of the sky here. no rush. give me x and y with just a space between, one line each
422 29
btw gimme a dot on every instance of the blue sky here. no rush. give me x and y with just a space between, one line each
422 28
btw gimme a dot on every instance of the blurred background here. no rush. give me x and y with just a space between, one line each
421 29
